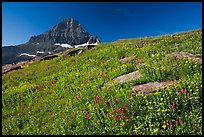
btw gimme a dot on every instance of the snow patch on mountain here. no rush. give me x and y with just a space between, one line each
26 54
40 52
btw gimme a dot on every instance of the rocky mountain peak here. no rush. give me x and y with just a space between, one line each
68 31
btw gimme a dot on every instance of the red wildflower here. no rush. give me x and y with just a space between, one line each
177 122
169 105
188 95
193 126
115 116
173 105
184 123
102 99
107 115
132 111
130 132
125 106
43 123
177 92
113 123
87 116
99 121
52 119
184 90
118 117
86 81
116 99
171 125
122 110
96 98
121 126
123 117
73 114
110 100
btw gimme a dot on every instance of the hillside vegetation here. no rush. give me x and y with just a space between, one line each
72 95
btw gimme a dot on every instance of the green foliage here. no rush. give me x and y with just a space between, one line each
70 95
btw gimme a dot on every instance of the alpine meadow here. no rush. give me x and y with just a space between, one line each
138 86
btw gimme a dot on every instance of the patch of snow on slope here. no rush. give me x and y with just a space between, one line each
66 45
57 44
82 45
63 45
26 54
40 52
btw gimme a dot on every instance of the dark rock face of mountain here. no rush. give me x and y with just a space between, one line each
68 31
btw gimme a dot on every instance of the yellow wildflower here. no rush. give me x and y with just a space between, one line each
164 126
156 130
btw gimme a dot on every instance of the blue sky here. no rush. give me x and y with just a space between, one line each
107 20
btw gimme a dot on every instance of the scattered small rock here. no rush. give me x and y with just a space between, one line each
126 59
186 55
128 77
151 87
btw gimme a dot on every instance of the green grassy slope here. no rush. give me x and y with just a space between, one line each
70 95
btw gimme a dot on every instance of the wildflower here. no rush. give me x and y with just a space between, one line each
96 98
43 123
176 122
118 117
110 100
180 119
156 130
169 105
86 81
50 113
87 115
193 124
143 133
113 123
125 106
122 110
132 111
130 132
184 90
123 117
67 119
116 99
177 92
52 119
102 99
184 123
171 125
107 115
173 105
99 121
164 126
121 126
73 114
188 95
44 126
